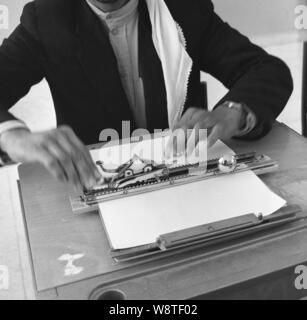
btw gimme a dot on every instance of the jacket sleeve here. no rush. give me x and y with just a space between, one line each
20 66
260 81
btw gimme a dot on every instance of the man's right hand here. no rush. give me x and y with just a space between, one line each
59 150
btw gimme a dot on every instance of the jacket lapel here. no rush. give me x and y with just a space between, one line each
98 60
151 71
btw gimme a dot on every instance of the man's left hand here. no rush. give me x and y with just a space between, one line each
221 123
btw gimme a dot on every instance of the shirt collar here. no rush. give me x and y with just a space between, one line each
117 17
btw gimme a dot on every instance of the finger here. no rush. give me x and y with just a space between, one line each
84 152
190 118
198 115
203 120
184 119
193 117
171 145
217 133
79 164
177 143
51 164
199 132
197 144
193 139
86 168
202 146
65 160
169 148
208 121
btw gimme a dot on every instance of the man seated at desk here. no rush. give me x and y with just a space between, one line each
108 61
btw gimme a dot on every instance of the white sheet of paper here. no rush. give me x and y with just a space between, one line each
139 220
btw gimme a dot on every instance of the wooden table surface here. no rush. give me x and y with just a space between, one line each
16 280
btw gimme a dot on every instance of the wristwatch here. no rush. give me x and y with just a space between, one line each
248 119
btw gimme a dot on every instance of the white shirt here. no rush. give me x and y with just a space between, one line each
122 26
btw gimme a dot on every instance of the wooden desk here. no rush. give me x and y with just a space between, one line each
260 266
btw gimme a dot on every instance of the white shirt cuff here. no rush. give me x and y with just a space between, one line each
11 124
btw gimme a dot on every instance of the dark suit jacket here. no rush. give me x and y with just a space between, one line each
64 42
